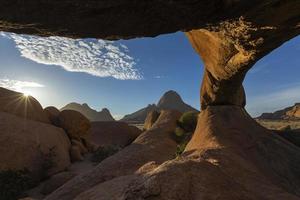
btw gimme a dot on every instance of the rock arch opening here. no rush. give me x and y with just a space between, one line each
230 36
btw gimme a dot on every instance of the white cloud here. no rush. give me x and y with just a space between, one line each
96 57
158 77
19 86
274 101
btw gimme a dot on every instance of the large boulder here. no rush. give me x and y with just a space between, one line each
23 106
75 124
41 148
53 114
113 133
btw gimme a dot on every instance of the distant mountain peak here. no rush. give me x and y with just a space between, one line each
292 113
170 100
91 114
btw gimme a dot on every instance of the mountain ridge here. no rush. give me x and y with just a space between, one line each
291 113
170 100
91 114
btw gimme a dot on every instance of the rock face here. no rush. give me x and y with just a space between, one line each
92 115
151 119
291 113
151 148
75 124
113 133
53 114
172 101
55 182
27 144
169 101
25 107
140 115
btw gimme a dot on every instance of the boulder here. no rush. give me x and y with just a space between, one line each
74 123
18 104
75 153
32 145
55 182
155 146
83 149
151 119
113 133
53 114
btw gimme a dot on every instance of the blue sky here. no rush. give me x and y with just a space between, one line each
131 74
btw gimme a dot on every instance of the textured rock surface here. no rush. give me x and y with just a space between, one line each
55 182
154 146
26 107
25 144
92 115
74 123
52 114
151 119
113 133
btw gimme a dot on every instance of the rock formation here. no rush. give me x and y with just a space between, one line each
230 156
53 114
169 101
151 119
291 113
31 144
92 115
113 133
151 148
25 107
74 123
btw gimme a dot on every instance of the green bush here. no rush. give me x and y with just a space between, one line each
188 121
103 152
180 148
13 184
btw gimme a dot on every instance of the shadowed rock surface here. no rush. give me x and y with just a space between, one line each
26 144
92 115
74 123
113 133
53 114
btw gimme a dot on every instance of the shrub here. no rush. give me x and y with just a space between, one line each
103 152
188 121
180 148
13 184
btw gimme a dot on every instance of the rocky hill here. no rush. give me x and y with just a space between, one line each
91 114
290 113
171 100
